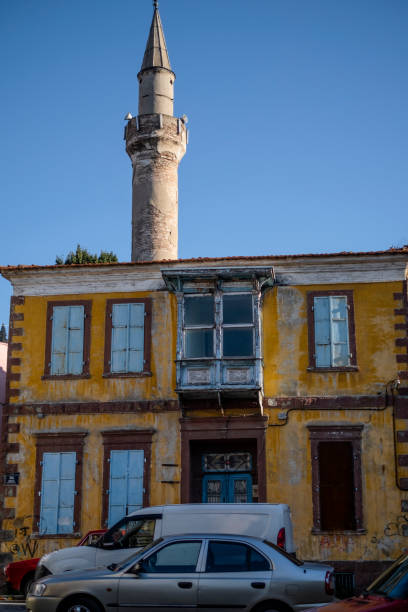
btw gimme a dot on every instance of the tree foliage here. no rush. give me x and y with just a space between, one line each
81 256
3 333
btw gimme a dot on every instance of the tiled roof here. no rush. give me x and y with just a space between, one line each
198 260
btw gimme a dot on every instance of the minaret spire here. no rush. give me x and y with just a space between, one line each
156 55
156 78
155 142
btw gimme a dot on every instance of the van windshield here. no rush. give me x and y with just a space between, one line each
129 533
118 567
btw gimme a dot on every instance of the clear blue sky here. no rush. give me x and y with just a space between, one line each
297 114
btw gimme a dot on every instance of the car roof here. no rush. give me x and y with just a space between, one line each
217 536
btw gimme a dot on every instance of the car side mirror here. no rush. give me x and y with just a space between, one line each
135 569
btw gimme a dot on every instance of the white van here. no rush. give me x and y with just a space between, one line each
268 521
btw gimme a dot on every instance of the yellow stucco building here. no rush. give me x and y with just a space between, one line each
252 379
269 379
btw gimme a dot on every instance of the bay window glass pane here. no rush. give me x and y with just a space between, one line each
199 343
238 342
199 310
237 309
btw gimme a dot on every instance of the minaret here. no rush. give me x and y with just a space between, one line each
155 142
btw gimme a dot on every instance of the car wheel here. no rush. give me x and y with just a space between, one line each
26 584
272 607
81 604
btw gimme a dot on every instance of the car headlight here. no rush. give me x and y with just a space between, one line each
38 589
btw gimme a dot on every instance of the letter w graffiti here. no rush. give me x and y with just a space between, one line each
30 548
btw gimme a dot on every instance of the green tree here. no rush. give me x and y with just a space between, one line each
81 256
3 333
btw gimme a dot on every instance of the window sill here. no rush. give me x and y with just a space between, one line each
239 358
335 532
342 369
49 536
126 374
65 376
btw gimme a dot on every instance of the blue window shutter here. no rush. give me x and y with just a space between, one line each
125 483
58 493
67 493
322 332
60 323
117 486
339 331
136 337
67 340
135 480
127 337
76 339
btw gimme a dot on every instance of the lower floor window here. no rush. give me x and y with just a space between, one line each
126 472
125 483
58 483
337 509
336 476
57 493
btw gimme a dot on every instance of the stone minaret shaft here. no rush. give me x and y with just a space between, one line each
155 142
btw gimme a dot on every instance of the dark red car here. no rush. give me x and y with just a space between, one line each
20 574
388 593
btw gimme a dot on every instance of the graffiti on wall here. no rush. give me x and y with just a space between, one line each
23 546
386 541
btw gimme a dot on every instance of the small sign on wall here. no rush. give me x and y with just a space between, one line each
12 478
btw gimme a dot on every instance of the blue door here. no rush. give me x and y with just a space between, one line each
227 488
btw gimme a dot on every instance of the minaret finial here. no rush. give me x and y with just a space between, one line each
155 4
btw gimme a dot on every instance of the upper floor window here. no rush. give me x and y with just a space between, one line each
331 330
218 325
127 343
67 339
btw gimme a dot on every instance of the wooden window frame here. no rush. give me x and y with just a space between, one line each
311 295
59 443
218 326
147 338
87 304
125 439
337 433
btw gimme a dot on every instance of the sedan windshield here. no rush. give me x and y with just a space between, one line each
394 582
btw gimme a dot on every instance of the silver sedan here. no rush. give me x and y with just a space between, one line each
188 572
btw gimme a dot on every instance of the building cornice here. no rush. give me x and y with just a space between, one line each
332 269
